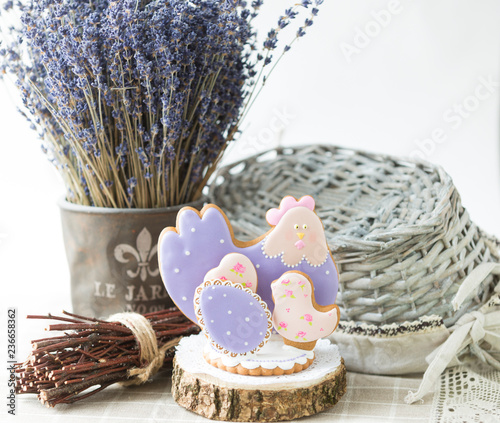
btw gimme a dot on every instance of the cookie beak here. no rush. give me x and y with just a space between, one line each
300 235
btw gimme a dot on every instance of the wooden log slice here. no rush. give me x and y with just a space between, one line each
220 395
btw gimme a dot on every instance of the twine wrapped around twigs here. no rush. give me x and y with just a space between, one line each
146 338
128 348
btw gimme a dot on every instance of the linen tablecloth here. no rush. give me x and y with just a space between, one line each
368 399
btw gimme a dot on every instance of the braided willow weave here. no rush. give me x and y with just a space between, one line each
401 239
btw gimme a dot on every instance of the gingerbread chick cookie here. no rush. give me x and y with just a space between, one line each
296 316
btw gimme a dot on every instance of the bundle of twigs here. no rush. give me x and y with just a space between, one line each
92 355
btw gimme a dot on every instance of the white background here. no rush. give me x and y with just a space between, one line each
388 96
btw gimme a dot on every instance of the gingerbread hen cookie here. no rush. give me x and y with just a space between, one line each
200 241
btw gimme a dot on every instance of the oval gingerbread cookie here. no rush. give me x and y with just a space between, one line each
234 319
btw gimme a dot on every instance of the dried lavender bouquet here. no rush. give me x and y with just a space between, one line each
136 100
93 354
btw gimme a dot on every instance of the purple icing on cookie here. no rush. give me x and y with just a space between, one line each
200 245
233 318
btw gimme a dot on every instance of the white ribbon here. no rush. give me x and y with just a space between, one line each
471 282
469 331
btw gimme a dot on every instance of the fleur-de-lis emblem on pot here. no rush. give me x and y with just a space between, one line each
143 254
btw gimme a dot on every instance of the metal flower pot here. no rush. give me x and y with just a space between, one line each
112 257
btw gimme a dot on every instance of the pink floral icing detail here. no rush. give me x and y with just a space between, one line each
301 334
308 318
248 284
239 268
289 293
283 325
285 281
223 278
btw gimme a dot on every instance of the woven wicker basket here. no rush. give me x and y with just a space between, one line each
398 232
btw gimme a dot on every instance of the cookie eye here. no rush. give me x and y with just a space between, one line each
304 226
296 226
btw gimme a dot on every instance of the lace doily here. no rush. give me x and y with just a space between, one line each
467 396
190 356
